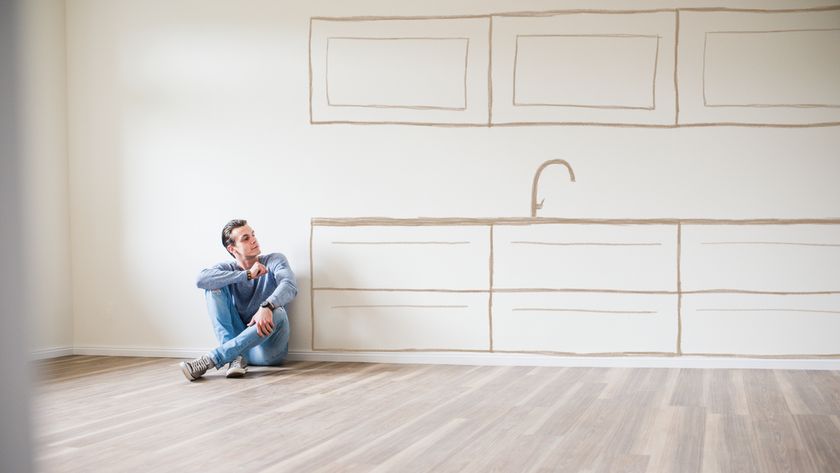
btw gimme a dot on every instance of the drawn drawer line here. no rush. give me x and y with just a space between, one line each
407 306
589 311
792 243
551 243
770 310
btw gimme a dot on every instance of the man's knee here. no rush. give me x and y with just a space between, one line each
281 318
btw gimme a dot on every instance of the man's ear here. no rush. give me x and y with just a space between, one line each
231 249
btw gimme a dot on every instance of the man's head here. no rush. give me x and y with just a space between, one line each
239 239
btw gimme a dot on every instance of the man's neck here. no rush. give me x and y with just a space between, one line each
246 262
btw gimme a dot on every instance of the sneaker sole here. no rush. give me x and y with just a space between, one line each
235 373
186 371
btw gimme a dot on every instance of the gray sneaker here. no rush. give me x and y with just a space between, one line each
196 368
237 368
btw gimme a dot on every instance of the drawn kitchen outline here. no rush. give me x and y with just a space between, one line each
672 51
815 300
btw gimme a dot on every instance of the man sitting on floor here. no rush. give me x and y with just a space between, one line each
246 300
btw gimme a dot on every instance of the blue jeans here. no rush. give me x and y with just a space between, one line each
238 339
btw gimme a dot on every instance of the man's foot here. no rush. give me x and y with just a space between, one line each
196 368
237 368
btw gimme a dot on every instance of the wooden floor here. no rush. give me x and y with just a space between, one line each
140 414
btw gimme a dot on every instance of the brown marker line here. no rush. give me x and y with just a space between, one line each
401 242
775 105
311 286
490 291
311 117
589 311
703 75
593 124
549 243
608 291
570 105
770 310
608 107
593 354
679 289
379 289
400 306
405 107
515 68
795 30
769 243
327 72
676 67
705 42
770 293
490 72
810 356
466 68
400 350
529 221
545 13
655 68
389 106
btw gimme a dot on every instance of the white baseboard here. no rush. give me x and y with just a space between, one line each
489 359
513 359
154 352
54 352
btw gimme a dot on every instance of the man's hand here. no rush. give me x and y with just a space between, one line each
264 321
257 270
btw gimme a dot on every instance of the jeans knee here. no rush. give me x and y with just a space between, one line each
280 317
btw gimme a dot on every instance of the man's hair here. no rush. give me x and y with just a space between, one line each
229 227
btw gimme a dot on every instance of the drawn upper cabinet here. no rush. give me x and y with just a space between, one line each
584 68
419 71
759 68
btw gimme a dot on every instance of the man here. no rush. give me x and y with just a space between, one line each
246 300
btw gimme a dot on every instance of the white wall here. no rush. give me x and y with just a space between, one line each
184 114
45 194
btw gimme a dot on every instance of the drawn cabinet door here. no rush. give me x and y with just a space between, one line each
395 287
587 257
584 68
585 322
759 67
761 289
420 70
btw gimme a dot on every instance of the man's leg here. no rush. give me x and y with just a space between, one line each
274 348
226 324
223 314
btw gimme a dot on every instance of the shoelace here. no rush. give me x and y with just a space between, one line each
203 363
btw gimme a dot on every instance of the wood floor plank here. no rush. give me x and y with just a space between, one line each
139 414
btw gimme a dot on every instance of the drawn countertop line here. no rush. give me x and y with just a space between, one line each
484 221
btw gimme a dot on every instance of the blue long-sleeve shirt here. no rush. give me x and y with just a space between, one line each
277 287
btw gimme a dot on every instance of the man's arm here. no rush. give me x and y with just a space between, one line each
286 284
219 276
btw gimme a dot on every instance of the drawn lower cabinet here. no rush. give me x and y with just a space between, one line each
761 289
584 322
400 287
585 288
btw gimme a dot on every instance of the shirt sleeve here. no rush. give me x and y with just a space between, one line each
219 276
286 284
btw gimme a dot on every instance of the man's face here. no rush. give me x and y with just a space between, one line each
245 244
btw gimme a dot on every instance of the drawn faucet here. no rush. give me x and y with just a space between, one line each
534 205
